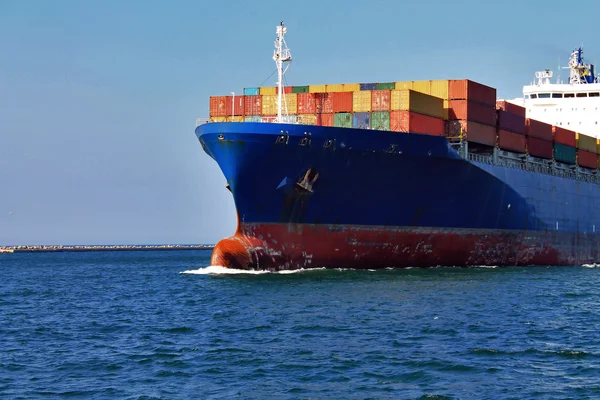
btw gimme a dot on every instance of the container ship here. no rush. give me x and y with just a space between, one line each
409 173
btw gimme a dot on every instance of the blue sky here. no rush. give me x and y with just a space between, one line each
98 99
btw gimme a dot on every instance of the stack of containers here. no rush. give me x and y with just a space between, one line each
472 115
586 151
227 108
415 112
539 138
436 88
510 121
565 145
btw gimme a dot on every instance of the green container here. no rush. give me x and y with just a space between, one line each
386 86
299 89
565 154
342 120
380 120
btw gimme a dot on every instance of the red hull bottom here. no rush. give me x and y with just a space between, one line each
295 246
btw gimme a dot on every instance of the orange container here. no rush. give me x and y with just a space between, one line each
253 105
307 103
511 141
342 102
473 132
538 129
238 106
472 111
564 136
587 159
510 107
324 103
286 89
465 89
380 100
218 106
411 122
325 119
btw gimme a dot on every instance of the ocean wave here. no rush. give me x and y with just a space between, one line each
217 270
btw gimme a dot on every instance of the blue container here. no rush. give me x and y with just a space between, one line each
368 86
362 120
251 91
252 118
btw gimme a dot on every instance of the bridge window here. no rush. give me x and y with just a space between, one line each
581 94
526 96
544 95
569 95
557 95
534 96
594 94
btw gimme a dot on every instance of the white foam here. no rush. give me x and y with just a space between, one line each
217 270
591 265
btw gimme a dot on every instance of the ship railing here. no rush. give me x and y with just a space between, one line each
202 121
481 158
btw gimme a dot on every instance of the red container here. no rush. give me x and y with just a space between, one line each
286 89
538 129
564 136
412 122
587 159
511 122
325 119
465 89
380 100
324 103
218 106
253 105
511 108
539 147
342 102
471 111
238 105
307 103
511 141
473 131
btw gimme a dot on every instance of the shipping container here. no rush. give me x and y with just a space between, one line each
473 132
511 141
539 147
598 146
218 119
269 104
472 111
412 122
361 120
290 103
585 142
342 102
235 105
238 118
307 103
565 154
253 91
538 129
564 136
361 101
252 118
403 85
268 90
380 100
252 105
218 106
439 88
286 89
325 119
409 100
307 119
511 108
511 122
300 89
465 89
342 120
324 103
386 86
317 88
380 120
343 87
446 109
422 87
368 86
587 159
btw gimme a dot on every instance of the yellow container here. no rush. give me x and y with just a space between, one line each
422 86
218 119
403 85
307 119
586 143
361 101
335 87
291 102
446 106
351 87
597 146
235 119
317 89
439 89
268 90
410 100
269 105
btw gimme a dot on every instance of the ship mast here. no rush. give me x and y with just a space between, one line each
281 54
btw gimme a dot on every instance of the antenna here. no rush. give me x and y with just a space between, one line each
281 54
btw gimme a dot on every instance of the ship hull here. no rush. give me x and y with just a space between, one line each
311 196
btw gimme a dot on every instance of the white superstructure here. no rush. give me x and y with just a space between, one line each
574 105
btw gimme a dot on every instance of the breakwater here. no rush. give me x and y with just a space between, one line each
86 248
